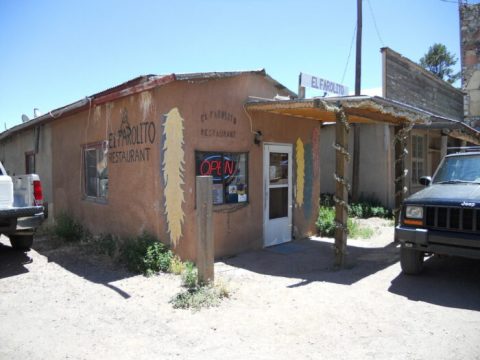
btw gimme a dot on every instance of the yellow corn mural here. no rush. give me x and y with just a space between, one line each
173 172
300 160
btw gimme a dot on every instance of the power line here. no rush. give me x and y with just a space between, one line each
375 23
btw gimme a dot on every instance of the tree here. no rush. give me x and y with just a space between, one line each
440 61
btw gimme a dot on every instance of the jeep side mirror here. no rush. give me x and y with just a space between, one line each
425 180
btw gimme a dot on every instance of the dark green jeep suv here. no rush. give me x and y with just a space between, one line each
443 218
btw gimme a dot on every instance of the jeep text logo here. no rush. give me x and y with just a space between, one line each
468 204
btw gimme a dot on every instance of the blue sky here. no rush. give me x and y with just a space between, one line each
56 52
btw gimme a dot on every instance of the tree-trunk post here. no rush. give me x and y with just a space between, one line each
401 134
341 187
205 245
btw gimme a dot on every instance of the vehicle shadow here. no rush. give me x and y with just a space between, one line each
12 262
445 281
78 261
312 260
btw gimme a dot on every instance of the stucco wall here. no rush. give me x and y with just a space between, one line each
12 155
376 169
212 117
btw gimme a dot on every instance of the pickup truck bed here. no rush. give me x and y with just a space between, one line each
21 208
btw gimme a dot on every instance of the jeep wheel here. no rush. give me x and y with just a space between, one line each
411 261
21 242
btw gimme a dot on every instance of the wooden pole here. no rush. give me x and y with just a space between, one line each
356 127
341 188
358 58
301 89
205 245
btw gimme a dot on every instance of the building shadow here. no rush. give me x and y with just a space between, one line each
446 281
83 264
312 260
12 262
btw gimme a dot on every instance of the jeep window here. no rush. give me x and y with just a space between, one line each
459 169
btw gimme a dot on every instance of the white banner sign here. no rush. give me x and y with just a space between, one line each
323 84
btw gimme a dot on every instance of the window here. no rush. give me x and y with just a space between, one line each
229 172
96 171
418 158
30 162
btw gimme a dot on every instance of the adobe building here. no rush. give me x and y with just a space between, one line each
124 161
470 55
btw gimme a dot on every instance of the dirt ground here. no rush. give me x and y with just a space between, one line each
287 303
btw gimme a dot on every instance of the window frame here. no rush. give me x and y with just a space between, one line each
29 155
99 148
224 184
416 160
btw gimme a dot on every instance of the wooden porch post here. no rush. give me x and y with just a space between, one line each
205 246
341 188
401 134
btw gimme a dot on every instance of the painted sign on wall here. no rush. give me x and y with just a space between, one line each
131 143
212 119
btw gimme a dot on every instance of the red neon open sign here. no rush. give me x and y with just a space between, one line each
218 166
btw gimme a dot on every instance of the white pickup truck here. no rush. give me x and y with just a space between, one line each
21 208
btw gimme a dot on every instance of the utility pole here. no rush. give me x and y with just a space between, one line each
356 127
358 60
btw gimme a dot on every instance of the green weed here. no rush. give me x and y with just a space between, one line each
68 229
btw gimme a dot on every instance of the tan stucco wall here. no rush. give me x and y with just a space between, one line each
376 167
136 198
12 155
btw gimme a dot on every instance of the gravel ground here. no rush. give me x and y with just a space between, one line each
287 303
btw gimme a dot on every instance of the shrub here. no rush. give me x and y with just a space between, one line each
68 229
106 244
156 259
190 275
357 231
368 208
145 255
177 266
326 221
326 225
201 297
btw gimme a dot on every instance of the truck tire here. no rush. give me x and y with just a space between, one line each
411 261
21 242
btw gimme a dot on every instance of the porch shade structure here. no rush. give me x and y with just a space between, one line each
344 111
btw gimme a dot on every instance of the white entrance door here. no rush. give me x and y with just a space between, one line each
277 184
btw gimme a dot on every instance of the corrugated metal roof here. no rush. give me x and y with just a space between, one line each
138 84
